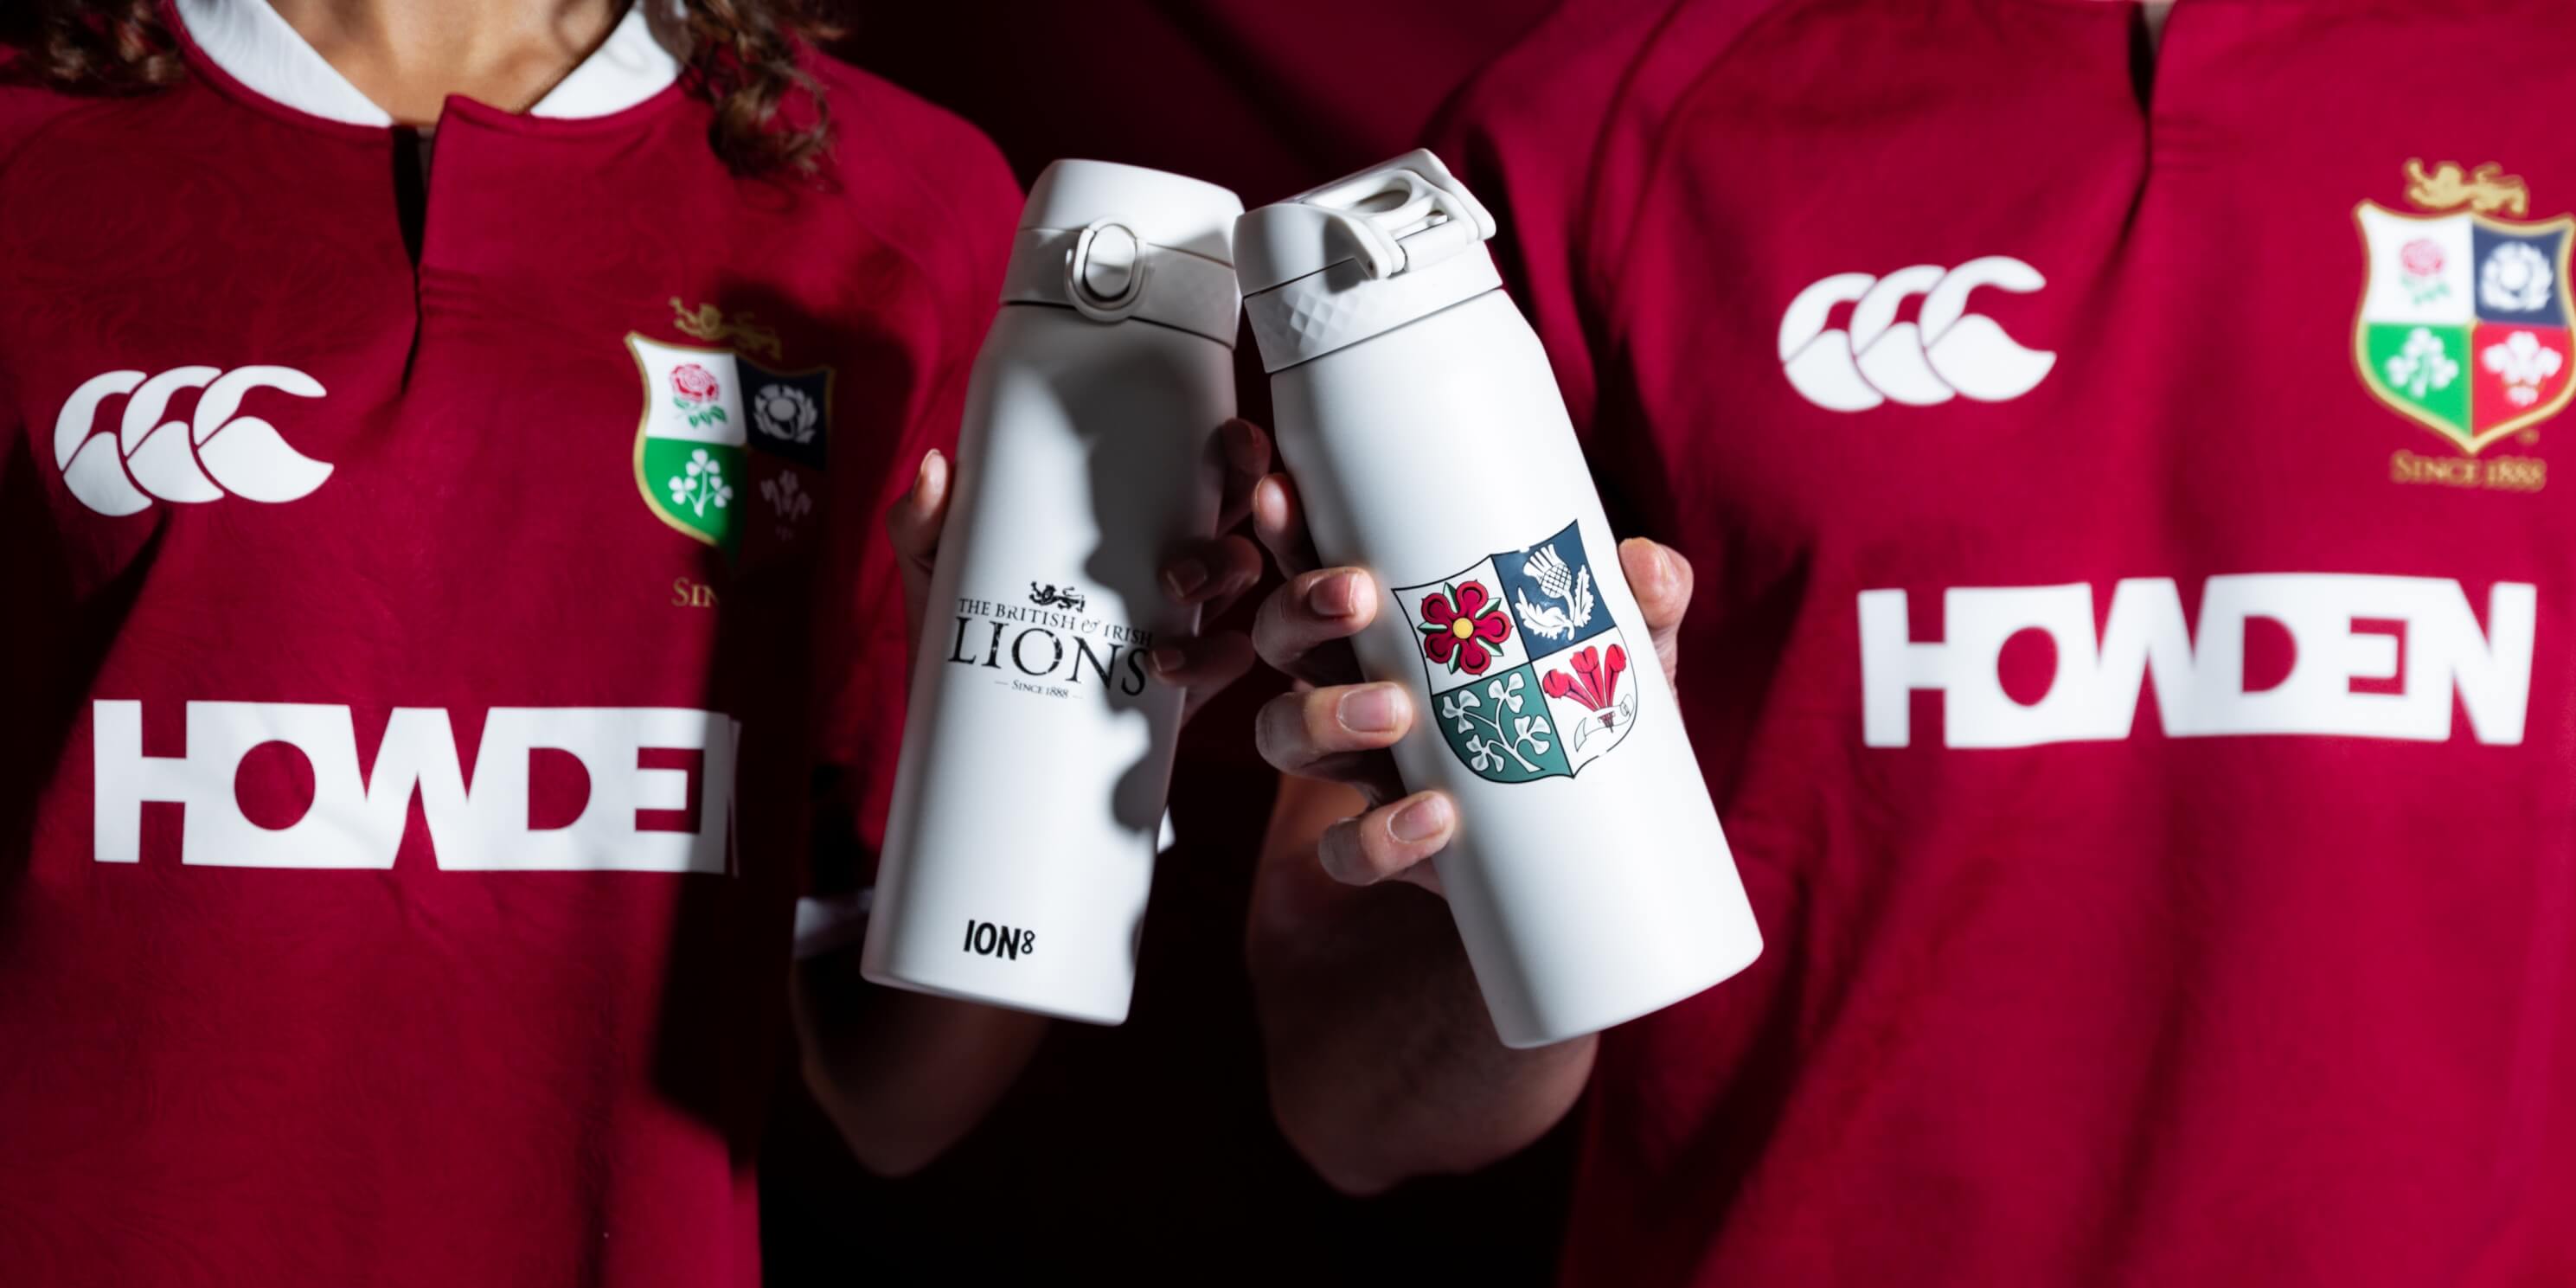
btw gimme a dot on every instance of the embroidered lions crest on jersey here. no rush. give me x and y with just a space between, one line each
2464 325
730 451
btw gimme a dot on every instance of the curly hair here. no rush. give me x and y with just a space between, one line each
741 58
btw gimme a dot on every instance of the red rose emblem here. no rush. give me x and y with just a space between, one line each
1462 636
2421 257
694 383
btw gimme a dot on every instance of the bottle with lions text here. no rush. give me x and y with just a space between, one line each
1037 748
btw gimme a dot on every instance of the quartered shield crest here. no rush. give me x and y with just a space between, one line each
730 452
2464 323
1529 677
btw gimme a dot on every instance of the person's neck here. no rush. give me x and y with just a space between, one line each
408 56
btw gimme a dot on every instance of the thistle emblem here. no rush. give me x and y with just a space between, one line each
1570 587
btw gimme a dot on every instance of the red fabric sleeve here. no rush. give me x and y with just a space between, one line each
955 207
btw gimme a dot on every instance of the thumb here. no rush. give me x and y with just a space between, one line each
912 528
1661 580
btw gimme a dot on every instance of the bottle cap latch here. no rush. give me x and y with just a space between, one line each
1392 219
1361 256
1104 273
1401 218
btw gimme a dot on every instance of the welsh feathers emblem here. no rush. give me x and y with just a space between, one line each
2464 324
1529 677
729 451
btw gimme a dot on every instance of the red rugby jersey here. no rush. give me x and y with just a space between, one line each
2132 642
420 674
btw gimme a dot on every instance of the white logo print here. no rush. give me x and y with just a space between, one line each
2525 364
1949 352
2515 279
701 485
2423 365
212 454
633 815
2371 657
785 412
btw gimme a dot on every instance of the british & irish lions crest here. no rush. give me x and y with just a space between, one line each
1528 676
2464 325
730 451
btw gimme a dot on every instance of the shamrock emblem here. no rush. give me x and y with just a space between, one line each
700 484
2424 366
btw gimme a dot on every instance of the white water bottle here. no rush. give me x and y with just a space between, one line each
1036 751
1430 446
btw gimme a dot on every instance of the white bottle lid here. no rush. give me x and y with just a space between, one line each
1118 241
1359 256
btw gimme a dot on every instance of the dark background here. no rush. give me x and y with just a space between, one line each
1146 1152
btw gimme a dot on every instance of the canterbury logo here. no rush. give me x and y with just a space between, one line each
210 455
1949 352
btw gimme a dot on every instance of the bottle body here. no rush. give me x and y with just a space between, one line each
1037 748
1589 878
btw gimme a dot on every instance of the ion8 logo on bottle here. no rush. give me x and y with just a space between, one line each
989 939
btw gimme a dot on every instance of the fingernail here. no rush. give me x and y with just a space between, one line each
1166 659
1184 576
1336 596
1421 820
1240 445
1658 572
1370 709
1269 502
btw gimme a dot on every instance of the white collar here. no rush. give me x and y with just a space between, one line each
253 45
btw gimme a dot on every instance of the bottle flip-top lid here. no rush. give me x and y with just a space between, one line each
1359 256
1114 242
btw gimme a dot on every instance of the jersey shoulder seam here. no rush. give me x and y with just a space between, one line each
1659 148
919 248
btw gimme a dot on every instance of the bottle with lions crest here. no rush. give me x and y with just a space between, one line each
1589 878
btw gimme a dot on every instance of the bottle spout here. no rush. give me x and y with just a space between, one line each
1392 218
1414 212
